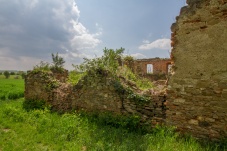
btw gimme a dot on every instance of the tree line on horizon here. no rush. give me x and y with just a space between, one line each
7 74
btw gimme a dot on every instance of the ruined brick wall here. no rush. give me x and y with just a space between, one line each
197 90
159 65
92 93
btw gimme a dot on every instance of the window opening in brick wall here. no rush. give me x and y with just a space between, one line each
169 68
149 68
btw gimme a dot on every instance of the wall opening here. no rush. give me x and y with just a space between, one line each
169 68
149 68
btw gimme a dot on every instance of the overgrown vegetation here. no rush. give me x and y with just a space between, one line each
58 62
42 130
141 83
75 76
57 65
109 62
29 105
111 65
42 66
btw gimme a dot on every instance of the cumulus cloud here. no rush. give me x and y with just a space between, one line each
33 29
138 56
157 44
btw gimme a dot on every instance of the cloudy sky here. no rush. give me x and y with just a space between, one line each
30 30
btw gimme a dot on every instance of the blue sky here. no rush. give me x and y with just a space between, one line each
30 30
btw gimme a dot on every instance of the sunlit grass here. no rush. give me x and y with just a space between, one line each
11 88
40 130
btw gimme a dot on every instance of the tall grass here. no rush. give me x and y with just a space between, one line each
11 88
40 130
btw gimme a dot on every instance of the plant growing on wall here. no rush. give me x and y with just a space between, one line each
42 66
58 62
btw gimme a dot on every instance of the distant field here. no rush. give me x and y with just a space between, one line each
11 88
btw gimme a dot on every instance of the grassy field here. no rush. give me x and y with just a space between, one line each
11 88
42 130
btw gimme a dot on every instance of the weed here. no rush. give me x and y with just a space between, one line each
34 104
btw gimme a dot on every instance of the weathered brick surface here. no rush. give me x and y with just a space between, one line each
197 99
160 65
160 68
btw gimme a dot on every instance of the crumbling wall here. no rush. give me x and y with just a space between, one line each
160 68
197 90
160 65
94 92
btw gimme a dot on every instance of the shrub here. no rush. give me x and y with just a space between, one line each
130 123
42 66
13 95
109 62
34 104
57 63
6 74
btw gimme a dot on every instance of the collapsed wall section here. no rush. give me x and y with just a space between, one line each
197 90
93 93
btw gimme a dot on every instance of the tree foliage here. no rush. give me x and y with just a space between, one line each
42 66
12 73
6 74
108 62
58 62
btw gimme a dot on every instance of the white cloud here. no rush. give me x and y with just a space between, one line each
146 41
138 55
37 28
157 44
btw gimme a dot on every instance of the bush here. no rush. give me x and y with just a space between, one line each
34 104
13 95
42 66
6 74
109 62
130 123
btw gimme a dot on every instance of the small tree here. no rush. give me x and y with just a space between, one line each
6 74
58 62
12 73
109 61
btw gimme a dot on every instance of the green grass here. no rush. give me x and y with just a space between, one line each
11 88
40 130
